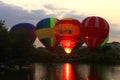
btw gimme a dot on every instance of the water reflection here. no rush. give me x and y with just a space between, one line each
82 71
62 71
104 72
68 71
40 72
113 73
94 73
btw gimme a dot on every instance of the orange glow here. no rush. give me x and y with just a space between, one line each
67 72
68 45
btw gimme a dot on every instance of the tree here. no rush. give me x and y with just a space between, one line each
4 42
21 46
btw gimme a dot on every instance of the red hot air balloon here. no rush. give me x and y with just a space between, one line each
94 31
67 32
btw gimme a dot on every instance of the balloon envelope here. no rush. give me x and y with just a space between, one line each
94 30
44 32
67 32
23 30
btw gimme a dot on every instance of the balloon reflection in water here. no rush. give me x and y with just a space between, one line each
83 72
67 72
96 73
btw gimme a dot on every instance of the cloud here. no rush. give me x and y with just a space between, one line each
14 15
58 11
64 12
114 32
75 15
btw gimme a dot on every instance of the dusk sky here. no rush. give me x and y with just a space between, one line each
32 11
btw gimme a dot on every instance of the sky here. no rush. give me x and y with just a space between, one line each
32 11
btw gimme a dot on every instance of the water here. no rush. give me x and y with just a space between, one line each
68 71
63 71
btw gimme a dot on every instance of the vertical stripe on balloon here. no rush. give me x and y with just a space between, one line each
52 24
97 22
87 21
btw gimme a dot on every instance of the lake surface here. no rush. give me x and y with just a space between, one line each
71 71
63 71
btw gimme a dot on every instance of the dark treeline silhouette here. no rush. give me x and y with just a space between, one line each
14 49
4 42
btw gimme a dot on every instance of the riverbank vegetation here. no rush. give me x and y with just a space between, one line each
21 52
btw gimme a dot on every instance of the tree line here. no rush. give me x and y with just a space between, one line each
14 50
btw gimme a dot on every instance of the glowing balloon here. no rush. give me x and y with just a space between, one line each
44 32
68 45
67 32
94 30
23 30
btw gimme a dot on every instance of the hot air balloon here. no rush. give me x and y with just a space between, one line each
94 31
67 32
23 30
44 32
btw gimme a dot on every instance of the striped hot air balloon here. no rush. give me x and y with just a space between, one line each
94 31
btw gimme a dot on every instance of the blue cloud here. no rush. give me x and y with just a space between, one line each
14 14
